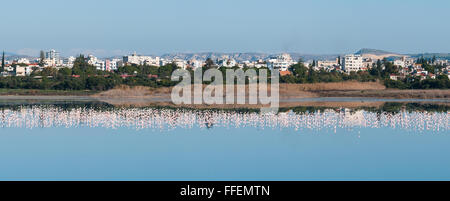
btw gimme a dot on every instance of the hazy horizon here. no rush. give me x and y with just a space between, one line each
108 28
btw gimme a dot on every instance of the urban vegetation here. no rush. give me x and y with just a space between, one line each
83 76
380 71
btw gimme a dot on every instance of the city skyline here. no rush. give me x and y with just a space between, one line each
105 28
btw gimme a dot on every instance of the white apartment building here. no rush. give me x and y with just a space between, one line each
114 64
50 62
368 63
23 71
141 60
327 65
99 64
352 63
52 58
52 54
404 62
281 62
68 62
152 61
253 64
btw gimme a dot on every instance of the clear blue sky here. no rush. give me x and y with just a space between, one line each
165 26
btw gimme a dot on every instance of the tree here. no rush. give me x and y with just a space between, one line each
65 71
82 67
209 63
389 68
3 62
300 71
41 58
49 71
312 75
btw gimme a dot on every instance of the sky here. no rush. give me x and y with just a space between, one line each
113 28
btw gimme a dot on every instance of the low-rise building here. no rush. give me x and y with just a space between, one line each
327 65
141 60
23 71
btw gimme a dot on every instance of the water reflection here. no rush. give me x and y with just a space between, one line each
47 116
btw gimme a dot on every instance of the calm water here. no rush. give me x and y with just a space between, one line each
93 141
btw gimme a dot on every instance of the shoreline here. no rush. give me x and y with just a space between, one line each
349 94
165 94
348 89
335 102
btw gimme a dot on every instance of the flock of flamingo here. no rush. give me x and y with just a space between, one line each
167 119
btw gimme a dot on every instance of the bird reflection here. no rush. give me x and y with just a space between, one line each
167 119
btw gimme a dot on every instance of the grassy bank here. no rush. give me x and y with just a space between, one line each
286 91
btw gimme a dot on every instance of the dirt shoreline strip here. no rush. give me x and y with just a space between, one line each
286 91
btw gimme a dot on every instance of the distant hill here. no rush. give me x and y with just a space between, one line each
216 55
253 56
378 54
245 56
373 52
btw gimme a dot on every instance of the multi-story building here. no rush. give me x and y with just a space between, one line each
52 58
112 65
52 54
99 64
352 63
152 61
68 62
107 65
141 60
404 62
368 63
116 63
91 59
281 62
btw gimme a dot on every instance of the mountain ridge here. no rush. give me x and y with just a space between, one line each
253 56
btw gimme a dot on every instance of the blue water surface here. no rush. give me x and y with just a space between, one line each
223 153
